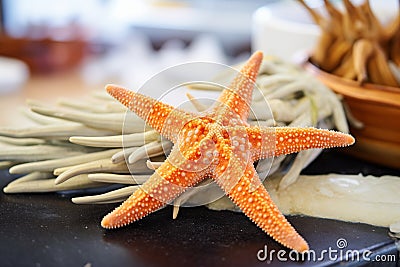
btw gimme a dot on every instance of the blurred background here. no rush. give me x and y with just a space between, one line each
51 37
49 50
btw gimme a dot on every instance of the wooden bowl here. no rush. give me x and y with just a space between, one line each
378 108
44 55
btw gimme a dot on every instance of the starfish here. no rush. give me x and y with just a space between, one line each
221 145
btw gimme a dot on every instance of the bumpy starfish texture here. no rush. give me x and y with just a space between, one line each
219 144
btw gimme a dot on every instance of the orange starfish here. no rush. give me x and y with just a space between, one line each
219 144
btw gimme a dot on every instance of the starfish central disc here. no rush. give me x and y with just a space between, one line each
217 131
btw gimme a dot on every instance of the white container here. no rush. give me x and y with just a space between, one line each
13 74
284 29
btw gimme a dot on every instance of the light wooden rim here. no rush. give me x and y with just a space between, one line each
378 94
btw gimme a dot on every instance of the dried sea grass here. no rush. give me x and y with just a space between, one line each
111 154
48 185
355 45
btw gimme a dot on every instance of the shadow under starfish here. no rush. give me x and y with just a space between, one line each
219 144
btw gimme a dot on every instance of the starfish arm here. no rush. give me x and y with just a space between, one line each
248 193
167 182
269 142
234 102
164 118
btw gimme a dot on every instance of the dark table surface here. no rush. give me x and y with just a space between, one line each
48 230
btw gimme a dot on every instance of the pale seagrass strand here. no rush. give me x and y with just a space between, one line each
88 106
118 195
48 185
191 192
103 96
21 141
196 103
265 82
101 121
54 131
127 140
50 165
123 154
153 165
108 102
33 176
150 150
103 165
36 152
204 86
118 178
300 162
7 164
115 107
41 119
